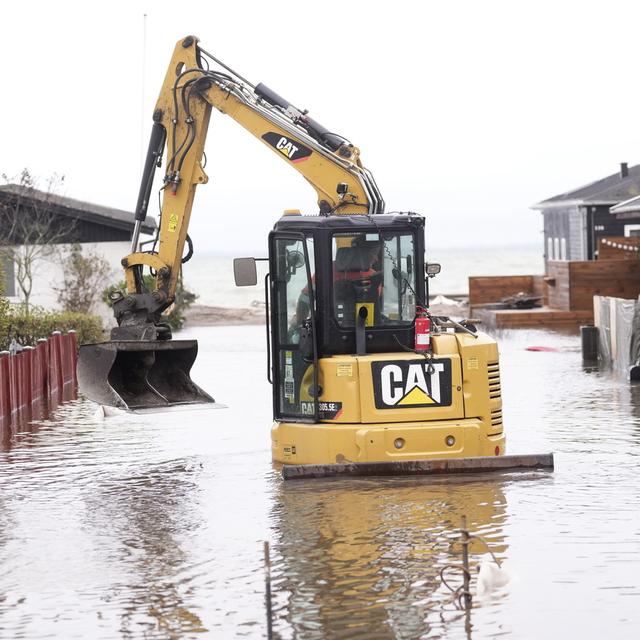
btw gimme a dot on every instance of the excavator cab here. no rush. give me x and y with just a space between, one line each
339 286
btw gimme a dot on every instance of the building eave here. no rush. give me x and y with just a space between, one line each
540 206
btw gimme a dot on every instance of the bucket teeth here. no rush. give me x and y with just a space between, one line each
140 374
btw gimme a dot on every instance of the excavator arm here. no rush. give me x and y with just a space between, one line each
181 118
141 367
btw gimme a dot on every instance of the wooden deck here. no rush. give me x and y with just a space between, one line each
566 292
540 318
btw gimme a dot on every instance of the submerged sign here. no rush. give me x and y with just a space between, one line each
412 383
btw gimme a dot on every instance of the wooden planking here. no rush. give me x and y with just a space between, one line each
525 462
614 278
543 318
540 289
558 284
572 284
486 289
607 252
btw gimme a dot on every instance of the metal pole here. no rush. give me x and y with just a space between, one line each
464 534
267 585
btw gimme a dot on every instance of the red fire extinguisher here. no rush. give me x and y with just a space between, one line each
423 330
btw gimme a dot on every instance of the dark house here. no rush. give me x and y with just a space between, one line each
574 221
78 222
91 222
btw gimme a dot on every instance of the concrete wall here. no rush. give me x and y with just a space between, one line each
49 274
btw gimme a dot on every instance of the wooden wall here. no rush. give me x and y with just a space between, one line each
572 284
608 252
487 289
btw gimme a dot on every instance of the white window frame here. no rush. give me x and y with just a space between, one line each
628 228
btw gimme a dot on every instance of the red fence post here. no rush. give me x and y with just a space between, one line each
5 388
52 379
14 366
22 368
67 359
73 354
33 382
55 358
43 357
64 360
27 382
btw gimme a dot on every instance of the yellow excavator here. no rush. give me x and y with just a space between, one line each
362 373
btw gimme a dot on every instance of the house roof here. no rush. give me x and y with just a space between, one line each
96 213
627 209
608 191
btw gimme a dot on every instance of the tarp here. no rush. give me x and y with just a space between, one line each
618 321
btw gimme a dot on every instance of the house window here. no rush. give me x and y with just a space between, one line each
549 248
9 281
563 248
631 230
556 248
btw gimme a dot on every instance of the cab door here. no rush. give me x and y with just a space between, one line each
293 330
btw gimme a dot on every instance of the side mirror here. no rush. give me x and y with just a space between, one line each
244 272
295 259
432 269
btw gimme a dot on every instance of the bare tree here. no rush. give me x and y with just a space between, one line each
29 226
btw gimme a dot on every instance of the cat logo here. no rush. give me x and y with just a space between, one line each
292 150
411 383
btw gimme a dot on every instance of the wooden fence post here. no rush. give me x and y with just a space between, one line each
27 381
5 388
73 353
14 366
43 357
55 360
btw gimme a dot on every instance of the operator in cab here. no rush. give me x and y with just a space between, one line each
357 278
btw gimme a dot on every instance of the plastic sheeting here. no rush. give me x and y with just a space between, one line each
618 321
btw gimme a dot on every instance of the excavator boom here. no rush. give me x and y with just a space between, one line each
141 365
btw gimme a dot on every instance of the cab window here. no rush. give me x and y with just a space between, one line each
374 272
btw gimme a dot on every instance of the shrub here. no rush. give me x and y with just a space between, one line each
28 328
83 274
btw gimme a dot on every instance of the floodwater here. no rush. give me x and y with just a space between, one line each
153 527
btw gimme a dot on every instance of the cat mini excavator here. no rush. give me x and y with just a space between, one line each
362 373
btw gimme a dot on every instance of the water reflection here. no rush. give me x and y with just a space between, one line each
362 559
141 520
26 419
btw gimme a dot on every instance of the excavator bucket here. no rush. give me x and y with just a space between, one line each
140 374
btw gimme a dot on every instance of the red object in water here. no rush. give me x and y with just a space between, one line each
541 349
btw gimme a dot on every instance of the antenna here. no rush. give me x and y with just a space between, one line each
143 87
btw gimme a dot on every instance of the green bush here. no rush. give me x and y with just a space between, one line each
28 328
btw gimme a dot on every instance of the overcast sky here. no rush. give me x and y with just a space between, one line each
467 112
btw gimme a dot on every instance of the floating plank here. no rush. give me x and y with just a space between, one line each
420 467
